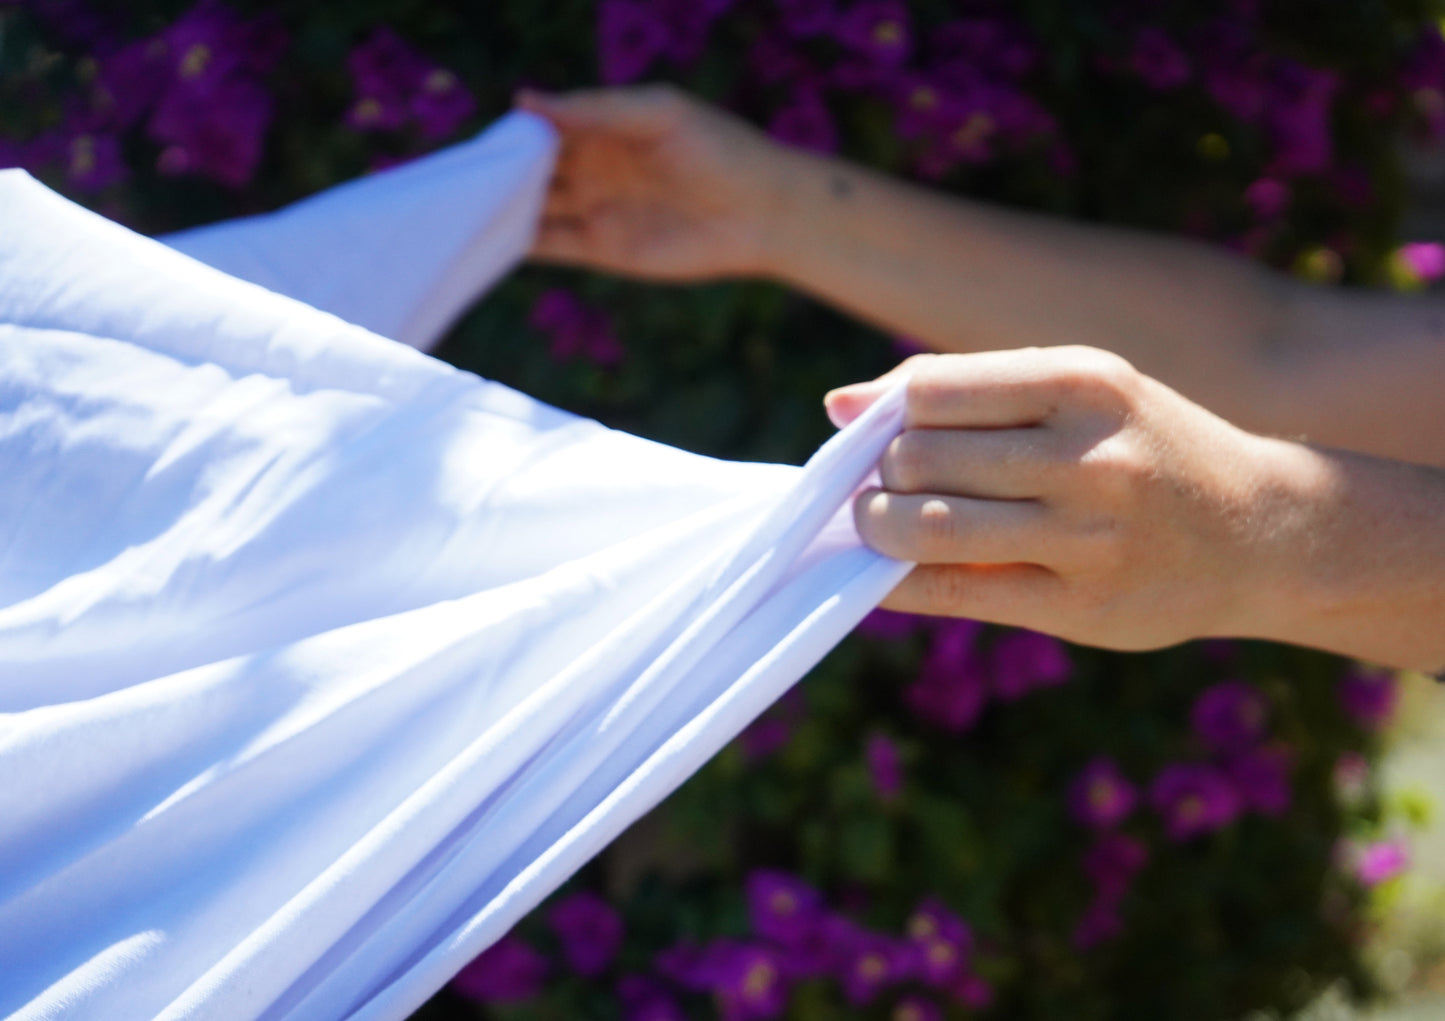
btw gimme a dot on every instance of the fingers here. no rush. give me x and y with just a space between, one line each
998 464
1012 594
997 389
640 112
932 529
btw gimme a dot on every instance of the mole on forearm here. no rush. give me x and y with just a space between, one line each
840 186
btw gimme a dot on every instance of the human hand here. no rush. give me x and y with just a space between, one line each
652 183
1061 490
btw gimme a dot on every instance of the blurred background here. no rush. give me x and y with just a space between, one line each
945 820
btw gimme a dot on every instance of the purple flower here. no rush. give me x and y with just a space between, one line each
943 942
93 161
1426 260
888 625
927 105
1236 73
1368 697
805 122
871 963
1381 861
1267 197
781 907
807 17
1025 660
878 29
772 731
749 983
589 931
1298 112
915 1008
688 23
772 59
441 104
385 73
884 767
997 48
687 965
507 971
203 73
952 687
1101 796
1230 716
1112 861
129 81
1261 779
630 36
575 329
1157 60
217 134
973 991
643 999
1193 799
1102 922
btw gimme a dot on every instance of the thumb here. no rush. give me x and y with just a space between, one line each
846 403
639 112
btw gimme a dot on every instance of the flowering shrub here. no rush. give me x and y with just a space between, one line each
947 819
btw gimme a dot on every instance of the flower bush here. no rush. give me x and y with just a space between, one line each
946 819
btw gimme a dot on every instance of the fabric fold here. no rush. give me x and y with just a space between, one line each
321 662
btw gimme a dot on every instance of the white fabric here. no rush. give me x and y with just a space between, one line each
401 252
321 662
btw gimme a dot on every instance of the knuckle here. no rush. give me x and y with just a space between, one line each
1114 470
937 527
927 389
905 465
1098 376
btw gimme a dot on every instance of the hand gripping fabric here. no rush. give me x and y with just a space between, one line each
321 662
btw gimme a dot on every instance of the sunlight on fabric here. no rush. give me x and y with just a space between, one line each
321 662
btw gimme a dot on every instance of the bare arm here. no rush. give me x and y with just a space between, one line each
1272 354
657 185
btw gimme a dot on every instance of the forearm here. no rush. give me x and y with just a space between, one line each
1350 557
959 276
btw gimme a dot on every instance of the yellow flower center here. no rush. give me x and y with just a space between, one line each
783 903
941 953
194 63
923 98
367 111
440 80
758 982
974 130
907 1012
1101 794
82 155
872 966
887 33
1191 809
922 927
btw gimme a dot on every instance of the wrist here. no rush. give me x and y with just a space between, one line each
1350 556
794 184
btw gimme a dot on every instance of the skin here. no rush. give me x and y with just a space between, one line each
1064 488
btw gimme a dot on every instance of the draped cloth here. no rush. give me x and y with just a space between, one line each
322 662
